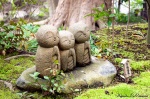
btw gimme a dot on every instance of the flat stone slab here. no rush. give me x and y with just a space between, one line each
98 73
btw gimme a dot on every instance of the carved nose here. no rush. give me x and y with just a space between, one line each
54 38
69 42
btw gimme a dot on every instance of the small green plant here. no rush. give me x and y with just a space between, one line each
54 82
94 49
32 45
25 95
123 18
117 60
17 35
100 13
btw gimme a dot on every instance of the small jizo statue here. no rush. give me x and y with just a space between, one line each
47 55
67 52
82 46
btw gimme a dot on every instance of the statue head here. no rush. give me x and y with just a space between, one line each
80 31
66 40
47 36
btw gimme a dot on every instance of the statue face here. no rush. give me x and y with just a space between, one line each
66 40
47 36
51 38
82 36
80 31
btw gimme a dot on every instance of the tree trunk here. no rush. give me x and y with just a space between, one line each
119 4
72 11
148 33
53 4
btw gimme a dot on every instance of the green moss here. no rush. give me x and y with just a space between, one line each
11 70
119 91
140 65
123 90
143 79
95 94
127 54
6 94
117 61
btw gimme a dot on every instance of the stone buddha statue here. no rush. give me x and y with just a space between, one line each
82 46
67 52
47 55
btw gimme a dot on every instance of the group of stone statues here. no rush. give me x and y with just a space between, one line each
62 50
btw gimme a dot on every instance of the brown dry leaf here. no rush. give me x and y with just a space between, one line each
138 37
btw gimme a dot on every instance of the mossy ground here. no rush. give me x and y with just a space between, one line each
132 46
11 70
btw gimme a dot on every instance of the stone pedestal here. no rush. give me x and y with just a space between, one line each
96 74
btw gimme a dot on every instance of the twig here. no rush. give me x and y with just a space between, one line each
41 22
113 32
17 56
128 20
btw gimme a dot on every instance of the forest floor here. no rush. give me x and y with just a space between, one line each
131 45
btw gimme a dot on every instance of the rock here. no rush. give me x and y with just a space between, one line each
99 72
20 14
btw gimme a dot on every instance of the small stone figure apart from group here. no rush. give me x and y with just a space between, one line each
63 50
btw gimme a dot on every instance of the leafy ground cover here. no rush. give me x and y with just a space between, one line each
131 45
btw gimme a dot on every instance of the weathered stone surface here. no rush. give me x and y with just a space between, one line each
80 31
99 72
47 36
68 59
46 58
67 40
67 52
82 47
83 55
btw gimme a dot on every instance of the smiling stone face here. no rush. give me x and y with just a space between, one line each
67 40
47 36
80 31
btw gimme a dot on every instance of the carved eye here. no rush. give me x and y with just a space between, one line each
49 34
64 39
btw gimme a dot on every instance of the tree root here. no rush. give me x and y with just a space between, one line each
7 84
42 22
17 56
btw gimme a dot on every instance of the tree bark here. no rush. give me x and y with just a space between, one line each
53 4
148 33
72 11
